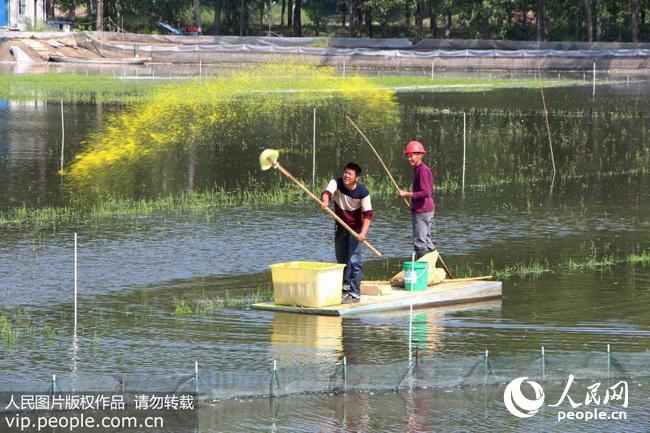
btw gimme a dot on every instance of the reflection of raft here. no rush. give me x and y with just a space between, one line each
449 292
311 337
102 61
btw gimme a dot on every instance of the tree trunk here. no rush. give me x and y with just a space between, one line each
118 15
447 25
100 15
634 20
197 14
297 20
217 17
290 14
541 20
485 25
284 4
241 17
350 6
262 15
588 20
418 20
369 22
642 21
433 23
73 11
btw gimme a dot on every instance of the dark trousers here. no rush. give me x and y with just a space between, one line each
348 251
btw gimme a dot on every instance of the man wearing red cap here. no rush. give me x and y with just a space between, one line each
422 204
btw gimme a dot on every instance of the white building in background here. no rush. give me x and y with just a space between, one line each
22 14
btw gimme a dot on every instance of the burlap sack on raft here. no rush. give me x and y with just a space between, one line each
435 275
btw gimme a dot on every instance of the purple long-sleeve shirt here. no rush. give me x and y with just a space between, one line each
422 200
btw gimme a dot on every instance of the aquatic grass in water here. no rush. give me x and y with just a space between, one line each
19 326
182 309
280 193
461 84
532 270
640 258
535 269
251 195
594 263
210 306
73 88
7 332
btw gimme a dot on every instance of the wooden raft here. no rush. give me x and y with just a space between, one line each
446 293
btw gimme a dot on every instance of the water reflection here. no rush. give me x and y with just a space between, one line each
30 149
304 338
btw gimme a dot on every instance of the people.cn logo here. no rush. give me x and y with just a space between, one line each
519 405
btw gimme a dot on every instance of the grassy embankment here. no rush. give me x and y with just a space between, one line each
109 89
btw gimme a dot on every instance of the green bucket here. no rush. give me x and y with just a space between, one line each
416 275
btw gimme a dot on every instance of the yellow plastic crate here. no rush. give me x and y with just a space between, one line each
307 284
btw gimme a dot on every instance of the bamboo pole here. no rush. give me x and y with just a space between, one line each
379 158
442 262
451 280
328 210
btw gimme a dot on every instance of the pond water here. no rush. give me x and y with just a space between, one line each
135 271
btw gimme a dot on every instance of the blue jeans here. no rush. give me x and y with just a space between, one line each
348 251
422 243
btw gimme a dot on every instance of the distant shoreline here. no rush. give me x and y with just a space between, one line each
382 54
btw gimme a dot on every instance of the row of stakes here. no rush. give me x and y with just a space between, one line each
275 381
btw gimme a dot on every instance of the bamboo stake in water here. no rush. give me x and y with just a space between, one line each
313 153
413 275
62 135
593 91
464 147
196 377
75 285
548 130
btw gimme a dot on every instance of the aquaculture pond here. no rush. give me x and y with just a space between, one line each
177 226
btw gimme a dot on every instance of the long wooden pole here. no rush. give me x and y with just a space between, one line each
442 262
328 210
406 202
